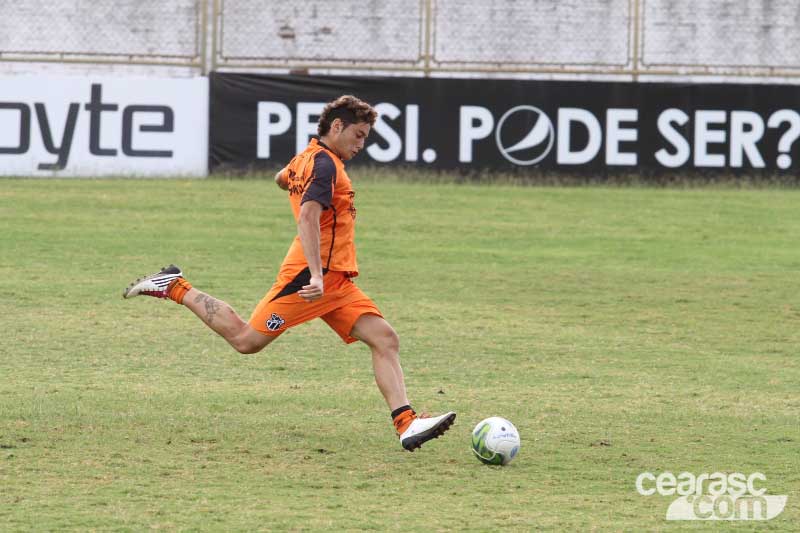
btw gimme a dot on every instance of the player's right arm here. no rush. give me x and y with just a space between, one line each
281 179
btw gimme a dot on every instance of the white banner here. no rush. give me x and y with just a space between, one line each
96 126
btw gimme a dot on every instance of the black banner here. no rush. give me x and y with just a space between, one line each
654 128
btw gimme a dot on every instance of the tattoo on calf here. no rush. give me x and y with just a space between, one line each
212 306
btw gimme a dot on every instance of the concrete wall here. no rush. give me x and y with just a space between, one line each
595 39
532 33
127 27
721 33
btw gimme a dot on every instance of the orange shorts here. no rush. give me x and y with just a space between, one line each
341 305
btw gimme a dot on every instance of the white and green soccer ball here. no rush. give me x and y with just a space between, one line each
495 441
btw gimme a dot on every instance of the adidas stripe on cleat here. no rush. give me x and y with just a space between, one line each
155 285
425 428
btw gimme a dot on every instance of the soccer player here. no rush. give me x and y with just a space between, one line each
316 277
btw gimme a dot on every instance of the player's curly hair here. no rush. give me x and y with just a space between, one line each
349 109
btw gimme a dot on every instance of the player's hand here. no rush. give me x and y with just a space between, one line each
312 291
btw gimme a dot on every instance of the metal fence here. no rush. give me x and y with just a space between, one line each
623 37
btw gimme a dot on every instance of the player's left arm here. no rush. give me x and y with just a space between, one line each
316 198
308 229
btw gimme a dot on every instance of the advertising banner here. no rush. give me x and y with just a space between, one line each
517 125
95 126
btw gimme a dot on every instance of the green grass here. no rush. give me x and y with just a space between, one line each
621 330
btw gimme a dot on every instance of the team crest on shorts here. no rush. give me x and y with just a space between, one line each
275 322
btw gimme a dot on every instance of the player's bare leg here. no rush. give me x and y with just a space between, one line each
382 340
222 319
216 314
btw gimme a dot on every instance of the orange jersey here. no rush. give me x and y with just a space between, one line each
318 174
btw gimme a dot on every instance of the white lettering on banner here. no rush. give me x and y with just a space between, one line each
681 146
266 128
615 134
523 134
705 135
275 118
394 143
412 133
747 128
566 117
788 137
70 126
307 119
474 123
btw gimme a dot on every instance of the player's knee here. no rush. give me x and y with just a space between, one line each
388 342
246 347
246 343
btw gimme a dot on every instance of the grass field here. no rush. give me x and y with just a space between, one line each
622 330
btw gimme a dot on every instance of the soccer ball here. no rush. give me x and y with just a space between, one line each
495 441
